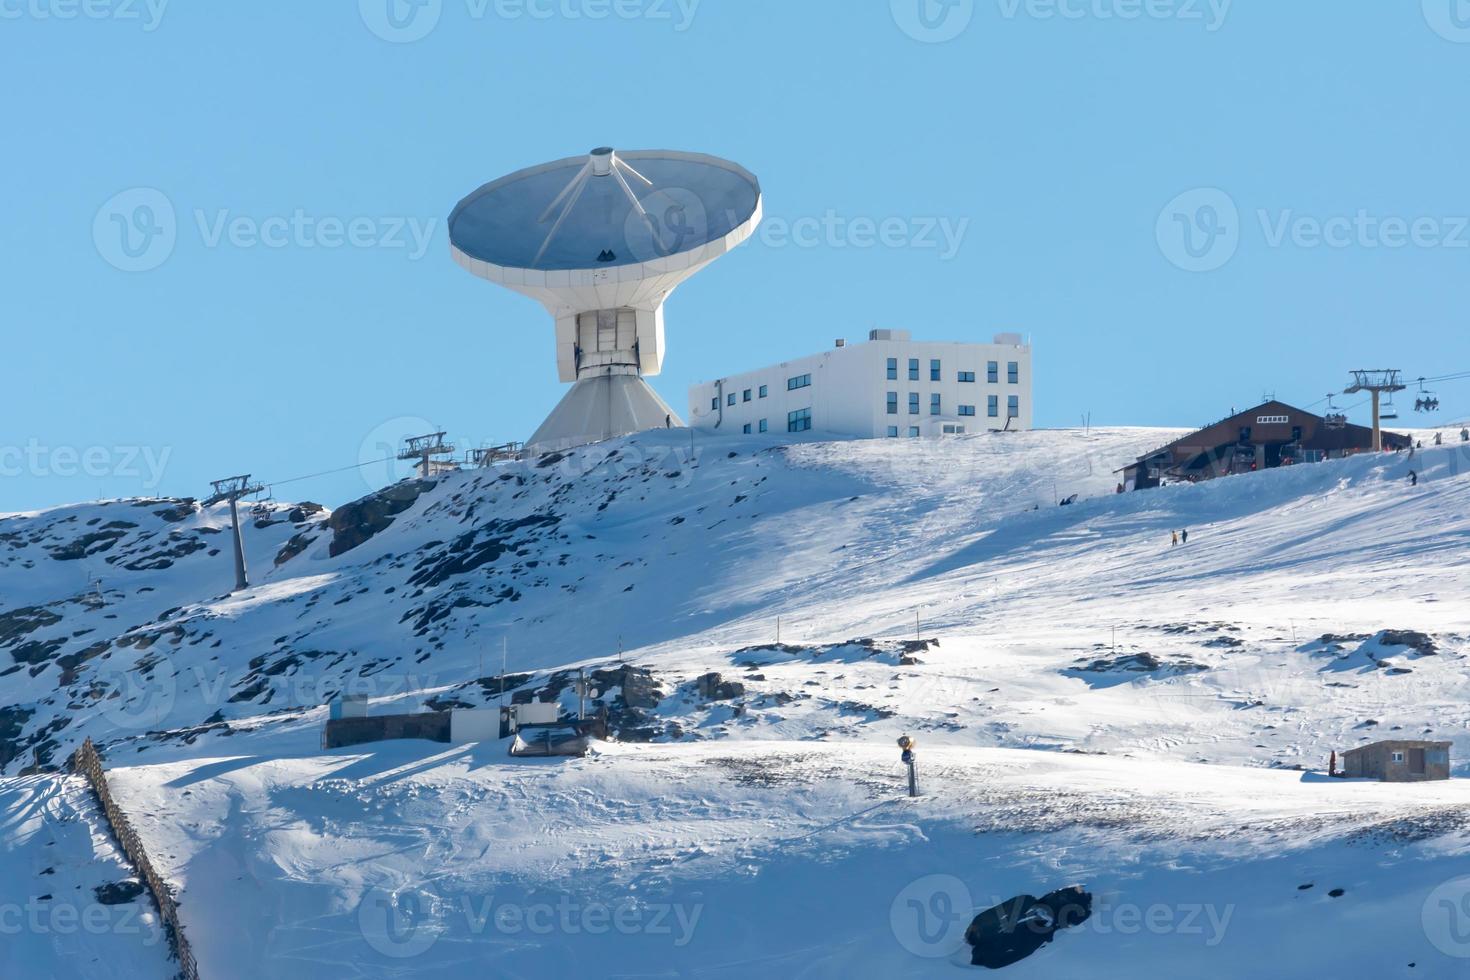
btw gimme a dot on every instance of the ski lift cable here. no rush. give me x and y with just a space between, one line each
341 469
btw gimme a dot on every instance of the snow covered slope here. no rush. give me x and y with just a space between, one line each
790 859
928 587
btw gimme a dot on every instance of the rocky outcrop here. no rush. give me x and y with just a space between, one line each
1013 930
713 687
357 522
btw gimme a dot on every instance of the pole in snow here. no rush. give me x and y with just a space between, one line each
232 489
909 759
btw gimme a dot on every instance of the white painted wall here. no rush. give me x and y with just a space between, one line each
848 395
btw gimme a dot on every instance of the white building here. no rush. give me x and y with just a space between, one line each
889 387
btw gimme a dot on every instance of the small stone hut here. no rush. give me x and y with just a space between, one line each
1398 761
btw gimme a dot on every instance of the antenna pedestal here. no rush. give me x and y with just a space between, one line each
602 407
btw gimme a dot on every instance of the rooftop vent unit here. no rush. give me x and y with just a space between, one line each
888 335
1009 340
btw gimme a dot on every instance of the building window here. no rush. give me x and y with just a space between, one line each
992 406
764 427
730 400
745 395
800 381
1013 372
893 369
764 391
799 420
1398 757
967 376
913 369
913 403
893 403
1013 407
913 432
745 429
967 409
934 373
934 403
893 432
714 404
992 372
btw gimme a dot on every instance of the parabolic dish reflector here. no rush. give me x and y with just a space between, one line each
605 210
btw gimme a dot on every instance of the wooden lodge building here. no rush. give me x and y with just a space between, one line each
1269 435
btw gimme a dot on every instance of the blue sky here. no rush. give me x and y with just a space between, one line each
1041 161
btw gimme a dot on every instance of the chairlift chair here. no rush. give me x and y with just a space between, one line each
1390 411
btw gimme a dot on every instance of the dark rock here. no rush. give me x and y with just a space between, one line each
1013 930
297 544
713 687
1141 663
357 522
1413 639
88 544
118 892
27 619
179 511
304 512
12 722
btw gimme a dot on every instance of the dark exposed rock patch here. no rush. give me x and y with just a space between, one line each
118 892
88 544
1140 663
1010 932
1413 639
477 548
713 687
355 523
23 621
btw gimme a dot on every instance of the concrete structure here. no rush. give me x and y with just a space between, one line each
430 726
891 386
474 725
1269 435
349 706
1398 761
601 241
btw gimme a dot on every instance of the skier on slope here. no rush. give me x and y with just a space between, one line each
1174 539
1184 536
1413 479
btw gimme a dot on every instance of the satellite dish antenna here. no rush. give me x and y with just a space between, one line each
601 241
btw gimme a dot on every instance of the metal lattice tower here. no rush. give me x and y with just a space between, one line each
423 449
480 458
232 489
1377 381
